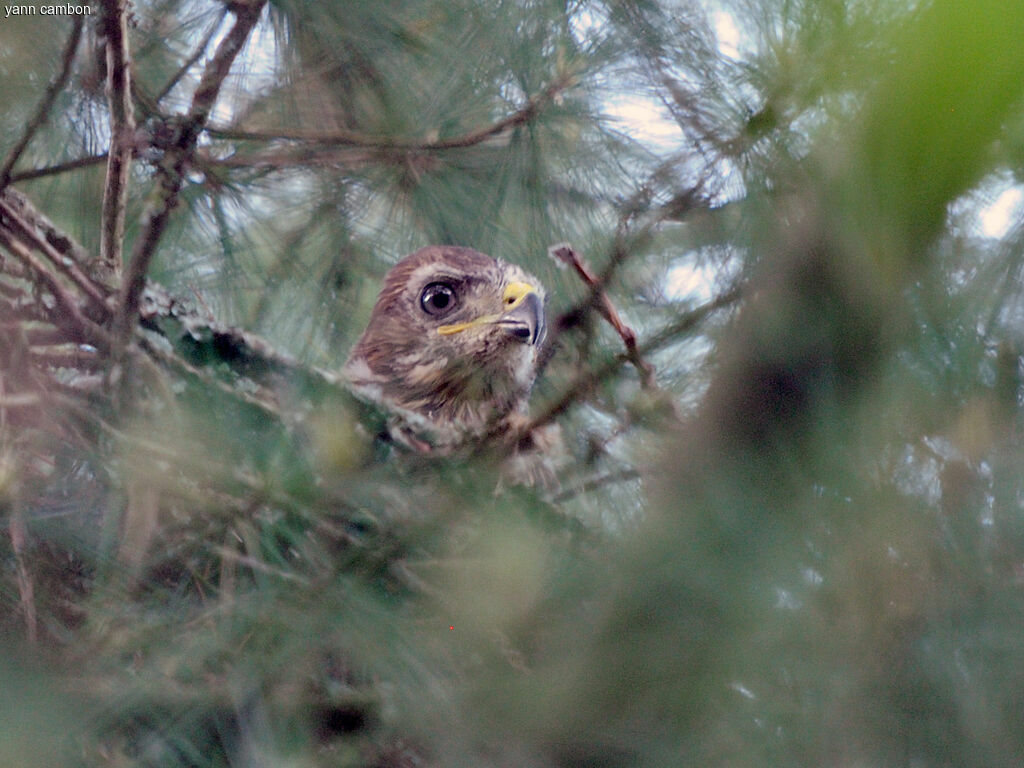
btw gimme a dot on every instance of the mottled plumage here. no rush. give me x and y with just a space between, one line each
451 347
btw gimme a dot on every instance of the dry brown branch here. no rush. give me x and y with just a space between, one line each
69 318
566 254
629 238
171 169
46 104
70 251
26 592
523 115
122 129
13 221
15 295
218 68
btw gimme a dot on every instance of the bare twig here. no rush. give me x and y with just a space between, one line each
69 317
690 320
627 242
54 170
594 483
122 130
67 358
523 115
191 60
171 169
43 110
275 158
585 382
23 214
218 68
16 296
262 401
41 337
567 255
23 400
68 267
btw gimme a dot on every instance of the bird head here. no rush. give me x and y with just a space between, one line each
453 337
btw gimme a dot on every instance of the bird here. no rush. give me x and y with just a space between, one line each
450 350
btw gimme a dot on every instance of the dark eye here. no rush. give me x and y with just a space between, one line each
438 299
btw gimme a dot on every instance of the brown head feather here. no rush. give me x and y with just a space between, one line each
459 370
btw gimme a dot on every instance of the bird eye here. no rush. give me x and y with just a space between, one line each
438 299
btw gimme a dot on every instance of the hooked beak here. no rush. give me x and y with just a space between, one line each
524 316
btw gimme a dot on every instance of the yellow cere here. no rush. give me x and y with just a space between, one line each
513 296
515 292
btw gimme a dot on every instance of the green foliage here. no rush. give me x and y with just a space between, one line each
803 545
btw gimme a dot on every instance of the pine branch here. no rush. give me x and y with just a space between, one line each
22 213
533 106
171 169
69 318
46 104
191 60
122 130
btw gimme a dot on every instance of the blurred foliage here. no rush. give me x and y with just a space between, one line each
804 546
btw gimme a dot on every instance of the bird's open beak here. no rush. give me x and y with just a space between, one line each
523 315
